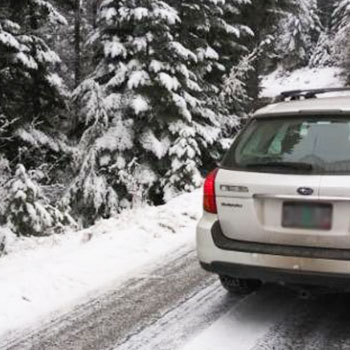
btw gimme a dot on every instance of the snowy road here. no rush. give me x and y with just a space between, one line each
177 306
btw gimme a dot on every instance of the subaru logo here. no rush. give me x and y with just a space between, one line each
305 191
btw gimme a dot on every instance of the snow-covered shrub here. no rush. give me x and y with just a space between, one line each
90 196
6 237
27 212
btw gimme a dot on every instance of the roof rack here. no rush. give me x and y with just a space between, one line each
295 95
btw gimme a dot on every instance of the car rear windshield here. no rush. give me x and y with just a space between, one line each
311 145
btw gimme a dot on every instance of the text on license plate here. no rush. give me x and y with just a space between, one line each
307 215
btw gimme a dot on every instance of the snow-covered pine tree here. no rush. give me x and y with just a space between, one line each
262 17
27 213
299 32
238 57
341 29
151 90
326 8
72 36
32 96
89 194
213 30
322 54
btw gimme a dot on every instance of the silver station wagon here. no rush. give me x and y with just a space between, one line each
278 207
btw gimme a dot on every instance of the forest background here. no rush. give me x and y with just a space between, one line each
106 105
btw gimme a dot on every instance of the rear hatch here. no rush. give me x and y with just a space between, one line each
287 181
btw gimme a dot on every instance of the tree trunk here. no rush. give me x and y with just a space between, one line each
94 13
77 39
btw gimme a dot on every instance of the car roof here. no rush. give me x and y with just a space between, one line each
335 105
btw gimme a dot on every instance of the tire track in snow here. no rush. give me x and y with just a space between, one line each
185 320
111 315
247 322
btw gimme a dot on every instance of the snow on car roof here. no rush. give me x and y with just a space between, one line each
336 105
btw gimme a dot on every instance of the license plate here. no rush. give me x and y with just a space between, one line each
315 216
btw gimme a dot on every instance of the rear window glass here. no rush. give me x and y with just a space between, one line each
313 145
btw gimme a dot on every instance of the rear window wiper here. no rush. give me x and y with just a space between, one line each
286 165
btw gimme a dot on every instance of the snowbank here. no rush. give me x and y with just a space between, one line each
42 275
304 78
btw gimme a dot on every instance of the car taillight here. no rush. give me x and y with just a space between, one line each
209 193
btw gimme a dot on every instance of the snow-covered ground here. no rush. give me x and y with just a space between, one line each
42 275
304 78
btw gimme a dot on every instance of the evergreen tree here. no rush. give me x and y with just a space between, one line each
263 17
150 88
32 96
213 30
322 55
161 76
71 41
326 8
89 194
341 29
299 32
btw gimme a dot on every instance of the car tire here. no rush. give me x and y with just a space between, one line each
239 286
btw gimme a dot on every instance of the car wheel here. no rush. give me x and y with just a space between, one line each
239 286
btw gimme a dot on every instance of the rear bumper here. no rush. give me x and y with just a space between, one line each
275 275
271 263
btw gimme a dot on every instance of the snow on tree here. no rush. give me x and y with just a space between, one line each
341 15
235 88
341 29
71 41
89 194
161 75
322 54
263 18
150 86
32 95
214 32
91 114
183 174
6 237
5 176
299 32
34 14
326 8
27 212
